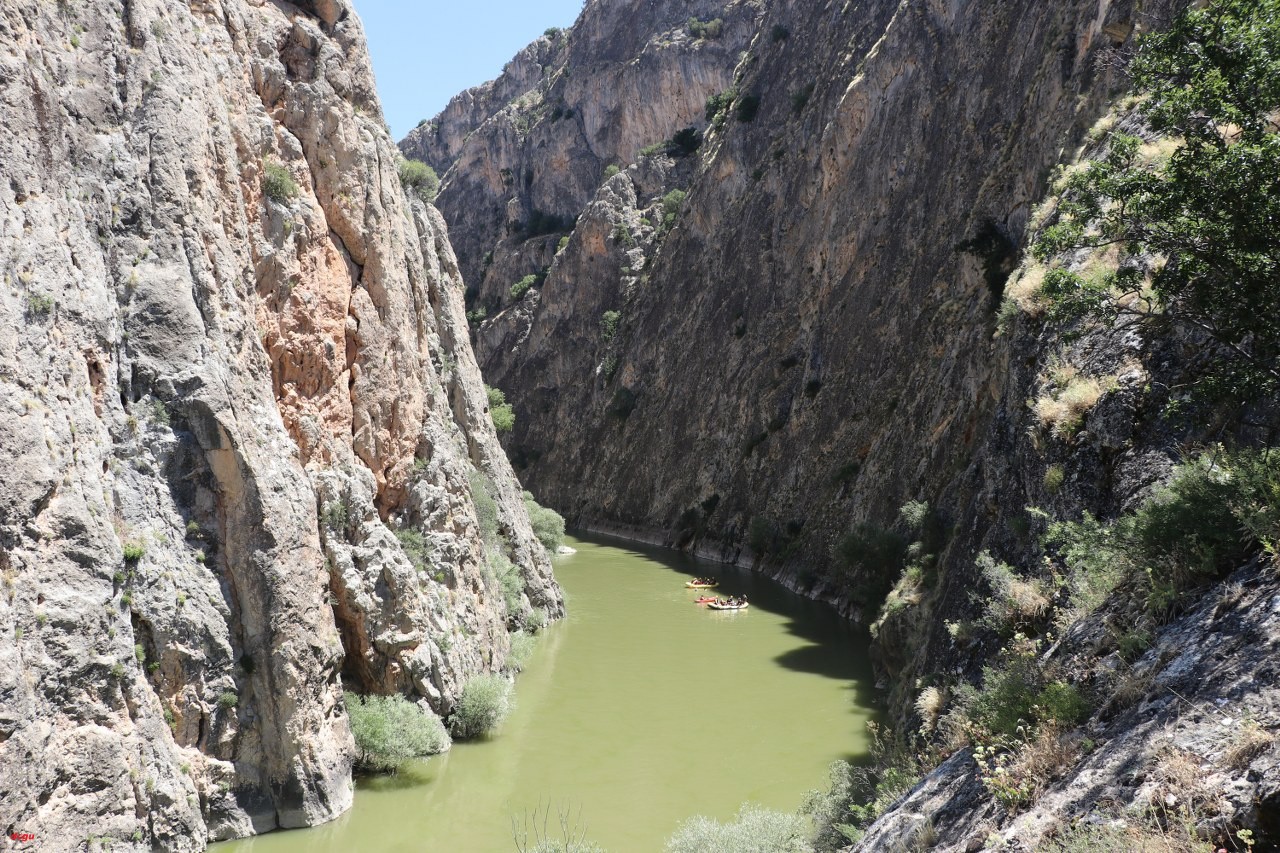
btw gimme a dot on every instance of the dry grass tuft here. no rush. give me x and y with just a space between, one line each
1024 289
1159 150
1050 754
1181 788
1132 688
1248 742
1063 410
929 705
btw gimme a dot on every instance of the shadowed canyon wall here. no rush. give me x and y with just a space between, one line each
805 340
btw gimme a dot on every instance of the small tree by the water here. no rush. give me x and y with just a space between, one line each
548 525
485 702
389 730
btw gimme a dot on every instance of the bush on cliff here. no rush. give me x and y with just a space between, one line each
389 730
869 559
1213 514
548 525
504 417
485 702
420 178
521 287
277 183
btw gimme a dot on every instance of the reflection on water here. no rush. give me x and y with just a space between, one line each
638 711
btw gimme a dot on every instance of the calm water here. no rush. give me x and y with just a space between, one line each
638 711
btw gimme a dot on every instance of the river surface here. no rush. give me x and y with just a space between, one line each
638 711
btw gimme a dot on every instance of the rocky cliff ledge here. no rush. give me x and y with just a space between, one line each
241 426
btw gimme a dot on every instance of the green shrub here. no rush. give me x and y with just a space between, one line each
718 104
39 305
672 202
705 29
228 699
416 548
485 505
609 367
746 108
564 241
800 98
1054 476
754 830
610 171
1212 514
485 702
609 321
335 515
1213 83
504 417
686 141
506 575
1017 692
277 183
763 536
548 525
1006 315
521 287
389 730
552 33
134 550
522 646
857 796
1060 702
420 179
1015 603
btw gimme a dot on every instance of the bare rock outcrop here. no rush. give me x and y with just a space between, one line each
234 400
521 156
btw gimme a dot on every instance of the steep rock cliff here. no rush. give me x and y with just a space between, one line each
233 360
523 155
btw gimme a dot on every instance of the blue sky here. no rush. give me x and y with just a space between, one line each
424 53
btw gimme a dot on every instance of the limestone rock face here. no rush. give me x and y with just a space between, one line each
241 426
525 153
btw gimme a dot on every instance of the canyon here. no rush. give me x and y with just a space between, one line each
760 280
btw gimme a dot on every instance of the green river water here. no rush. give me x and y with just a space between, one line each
636 712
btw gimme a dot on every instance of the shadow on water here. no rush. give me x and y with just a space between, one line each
411 775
